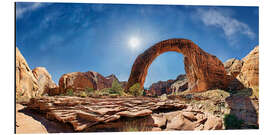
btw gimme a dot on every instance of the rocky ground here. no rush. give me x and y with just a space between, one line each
197 111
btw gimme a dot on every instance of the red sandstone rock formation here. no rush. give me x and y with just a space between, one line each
80 81
249 75
170 86
204 71
161 87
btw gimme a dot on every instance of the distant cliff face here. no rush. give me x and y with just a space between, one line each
79 81
170 86
30 83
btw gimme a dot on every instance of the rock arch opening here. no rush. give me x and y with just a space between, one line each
203 70
166 75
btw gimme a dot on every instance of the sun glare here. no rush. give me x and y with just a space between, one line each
134 42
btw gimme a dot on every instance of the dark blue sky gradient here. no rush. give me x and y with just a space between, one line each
66 37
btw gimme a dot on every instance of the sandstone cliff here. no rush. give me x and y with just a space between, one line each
245 72
30 83
249 75
26 83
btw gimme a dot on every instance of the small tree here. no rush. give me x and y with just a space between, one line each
136 90
116 88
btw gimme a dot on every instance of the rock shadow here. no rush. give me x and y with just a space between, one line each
244 109
51 126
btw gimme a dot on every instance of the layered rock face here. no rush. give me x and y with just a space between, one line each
44 79
26 83
81 80
170 86
112 114
180 84
31 83
233 66
161 87
203 70
243 73
249 75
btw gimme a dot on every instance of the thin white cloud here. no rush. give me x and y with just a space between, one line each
21 10
231 26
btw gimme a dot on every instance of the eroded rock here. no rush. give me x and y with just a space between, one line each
111 114
84 113
26 83
203 70
233 66
44 79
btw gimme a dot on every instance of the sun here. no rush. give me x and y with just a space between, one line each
134 42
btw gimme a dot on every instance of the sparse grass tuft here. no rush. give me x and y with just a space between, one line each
136 125
69 92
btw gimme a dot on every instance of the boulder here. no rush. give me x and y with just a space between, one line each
180 123
213 123
26 84
44 79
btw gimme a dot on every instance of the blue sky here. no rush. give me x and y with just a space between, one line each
107 38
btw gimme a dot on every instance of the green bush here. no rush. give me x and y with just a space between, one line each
232 122
69 92
89 90
136 90
116 89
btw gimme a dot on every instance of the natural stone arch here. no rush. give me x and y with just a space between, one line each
204 71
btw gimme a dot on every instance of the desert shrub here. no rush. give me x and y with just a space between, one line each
232 122
144 92
136 90
83 94
89 90
163 97
69 92
116 89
